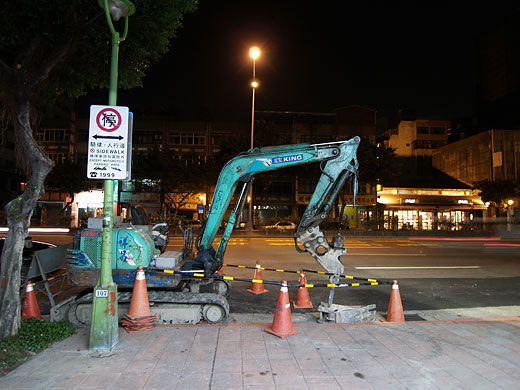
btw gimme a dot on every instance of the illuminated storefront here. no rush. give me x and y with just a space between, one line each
430 208
86 204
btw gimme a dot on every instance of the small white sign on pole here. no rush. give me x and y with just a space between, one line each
108 143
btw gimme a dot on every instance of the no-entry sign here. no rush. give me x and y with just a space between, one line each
108 143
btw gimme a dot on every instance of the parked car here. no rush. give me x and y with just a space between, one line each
29 247
282 225
28 251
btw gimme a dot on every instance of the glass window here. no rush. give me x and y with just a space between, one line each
187 138
437 130
174 138
53 135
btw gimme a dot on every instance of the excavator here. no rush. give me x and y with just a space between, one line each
175 295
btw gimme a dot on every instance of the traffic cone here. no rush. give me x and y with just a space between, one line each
395 307
257 288
139 317
282 322
30 305
302 298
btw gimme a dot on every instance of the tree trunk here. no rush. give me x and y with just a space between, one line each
19 212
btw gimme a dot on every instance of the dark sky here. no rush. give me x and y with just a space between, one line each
318 56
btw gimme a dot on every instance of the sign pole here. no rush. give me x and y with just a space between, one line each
104 326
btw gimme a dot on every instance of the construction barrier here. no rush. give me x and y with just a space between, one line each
197 275
49 279
257 288
139 317
369 282
306 271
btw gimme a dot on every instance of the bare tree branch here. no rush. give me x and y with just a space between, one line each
61 53
55 59
5 70
27 56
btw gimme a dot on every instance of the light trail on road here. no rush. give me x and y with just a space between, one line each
386 254
425 267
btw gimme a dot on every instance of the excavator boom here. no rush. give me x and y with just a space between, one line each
338 163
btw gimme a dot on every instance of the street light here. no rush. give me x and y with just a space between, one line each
509 214
254 53
104 322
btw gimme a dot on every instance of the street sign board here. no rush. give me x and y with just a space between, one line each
108 143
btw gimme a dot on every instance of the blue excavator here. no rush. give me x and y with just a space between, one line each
175 295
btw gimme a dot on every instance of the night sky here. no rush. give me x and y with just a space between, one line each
318 56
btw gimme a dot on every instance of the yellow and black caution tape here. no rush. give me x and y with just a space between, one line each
308 271
49 279
308 285
276 283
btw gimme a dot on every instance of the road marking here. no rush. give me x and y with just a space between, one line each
432 267
501 244
457 238
364 247
392 240
387 254
417 244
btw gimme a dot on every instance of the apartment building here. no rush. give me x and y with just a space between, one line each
423 197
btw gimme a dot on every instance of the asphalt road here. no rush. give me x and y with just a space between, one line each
432 274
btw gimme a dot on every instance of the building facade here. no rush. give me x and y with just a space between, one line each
425 197
275 194
418 137
490 155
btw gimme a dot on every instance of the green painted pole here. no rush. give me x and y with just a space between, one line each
104 326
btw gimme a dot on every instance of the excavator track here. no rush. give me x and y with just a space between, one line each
170 307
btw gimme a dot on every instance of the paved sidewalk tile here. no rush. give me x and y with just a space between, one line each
414 355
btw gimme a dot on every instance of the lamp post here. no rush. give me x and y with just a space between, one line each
254 53
509 213
104 322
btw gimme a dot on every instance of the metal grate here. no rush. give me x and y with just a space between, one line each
92 247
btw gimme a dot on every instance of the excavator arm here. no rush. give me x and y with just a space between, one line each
338 163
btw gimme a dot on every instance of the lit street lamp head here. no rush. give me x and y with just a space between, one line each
254 52
118 8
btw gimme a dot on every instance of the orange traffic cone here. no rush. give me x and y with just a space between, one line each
257 287
30 305
139 317
302 299
395 307
282 322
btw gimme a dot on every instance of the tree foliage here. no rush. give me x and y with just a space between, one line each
497 192
50 49
377 162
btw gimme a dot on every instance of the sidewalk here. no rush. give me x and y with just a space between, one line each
465 354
